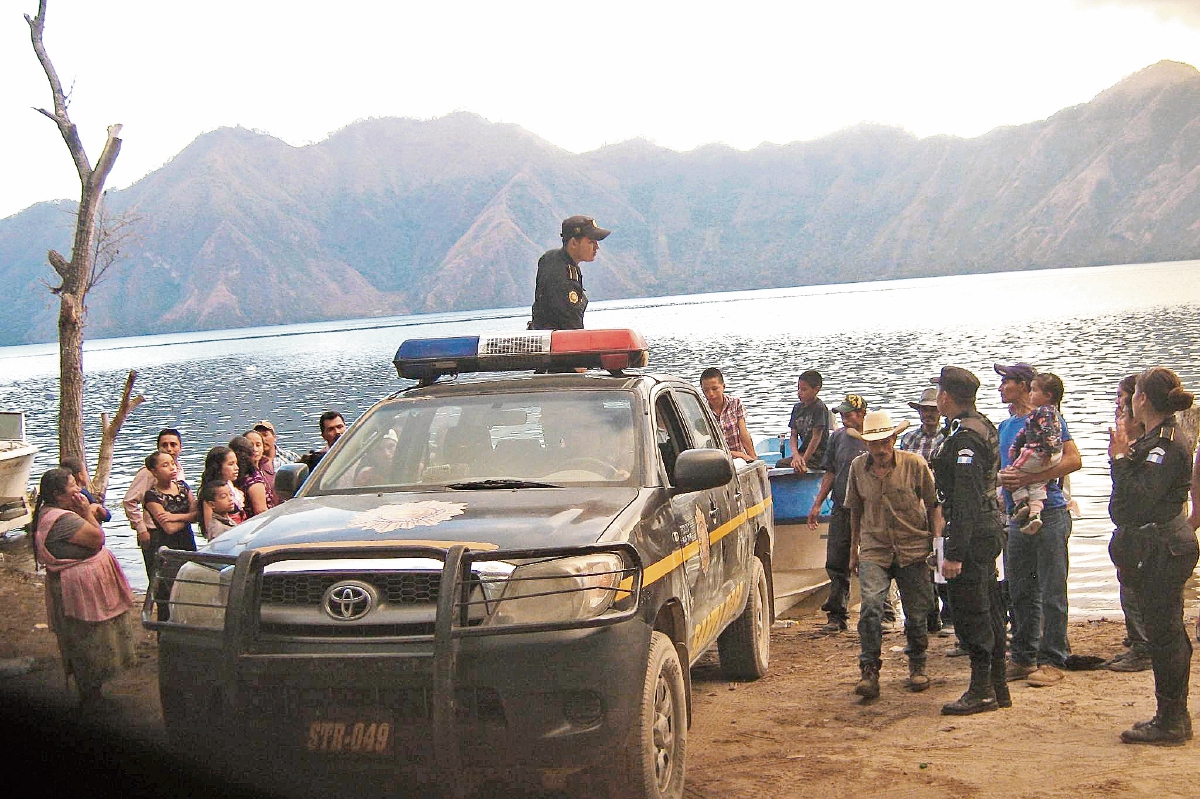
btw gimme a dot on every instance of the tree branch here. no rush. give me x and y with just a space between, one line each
108 156
69 133
60 264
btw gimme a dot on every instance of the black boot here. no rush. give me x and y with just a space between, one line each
1171 726
979 698
1187 725
1000 684
868 686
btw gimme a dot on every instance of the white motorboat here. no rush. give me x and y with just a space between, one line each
798 566
16 463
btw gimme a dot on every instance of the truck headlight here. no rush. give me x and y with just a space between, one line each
199 595
560 589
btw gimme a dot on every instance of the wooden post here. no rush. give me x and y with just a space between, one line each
109 436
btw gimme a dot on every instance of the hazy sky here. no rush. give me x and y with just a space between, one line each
578 74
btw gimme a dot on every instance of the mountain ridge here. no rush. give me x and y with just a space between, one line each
389 215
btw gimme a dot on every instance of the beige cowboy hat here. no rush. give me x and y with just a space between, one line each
877 426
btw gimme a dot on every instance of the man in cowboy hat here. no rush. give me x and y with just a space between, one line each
558 296
894 514
923 440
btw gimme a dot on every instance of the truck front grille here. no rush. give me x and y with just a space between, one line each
403 588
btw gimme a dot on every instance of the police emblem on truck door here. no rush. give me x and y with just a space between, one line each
702 540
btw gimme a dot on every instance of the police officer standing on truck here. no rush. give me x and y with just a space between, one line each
558 296
964 468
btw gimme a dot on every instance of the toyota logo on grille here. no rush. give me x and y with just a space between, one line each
348 601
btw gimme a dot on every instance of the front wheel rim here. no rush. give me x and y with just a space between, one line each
664 732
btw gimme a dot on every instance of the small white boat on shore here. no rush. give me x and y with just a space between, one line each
798 567
16 464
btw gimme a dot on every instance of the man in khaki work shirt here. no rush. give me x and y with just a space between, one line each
894 515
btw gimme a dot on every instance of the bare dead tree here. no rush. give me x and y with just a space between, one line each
78 274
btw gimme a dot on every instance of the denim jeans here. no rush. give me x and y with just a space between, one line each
1036 567
837 565
916 597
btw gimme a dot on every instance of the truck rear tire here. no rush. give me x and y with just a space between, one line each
745 646
650 764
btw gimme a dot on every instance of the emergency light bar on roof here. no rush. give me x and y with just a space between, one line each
427 359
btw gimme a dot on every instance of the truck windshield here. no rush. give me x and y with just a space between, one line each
515 440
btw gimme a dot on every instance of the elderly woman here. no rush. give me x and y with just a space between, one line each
1154 547
87 596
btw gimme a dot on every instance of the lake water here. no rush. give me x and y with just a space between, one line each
1091 326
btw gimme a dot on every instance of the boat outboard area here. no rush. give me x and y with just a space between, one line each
16 463
799 565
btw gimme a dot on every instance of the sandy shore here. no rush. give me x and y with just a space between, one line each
800 731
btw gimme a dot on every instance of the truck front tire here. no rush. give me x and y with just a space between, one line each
650 765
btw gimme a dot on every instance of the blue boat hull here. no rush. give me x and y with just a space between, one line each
799 563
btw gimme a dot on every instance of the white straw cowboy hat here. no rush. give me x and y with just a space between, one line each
877 426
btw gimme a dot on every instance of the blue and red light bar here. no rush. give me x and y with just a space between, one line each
427 359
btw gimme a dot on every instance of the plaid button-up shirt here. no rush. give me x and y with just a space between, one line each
729 417
920 442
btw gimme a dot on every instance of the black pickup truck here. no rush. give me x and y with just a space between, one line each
499 574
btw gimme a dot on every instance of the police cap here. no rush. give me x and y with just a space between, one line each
956 381
574 227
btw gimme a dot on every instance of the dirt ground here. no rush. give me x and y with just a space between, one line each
800 731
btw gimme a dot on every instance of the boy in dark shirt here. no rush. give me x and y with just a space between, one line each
809 424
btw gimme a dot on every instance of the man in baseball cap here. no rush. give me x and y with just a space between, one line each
273 457
558 296
839 452
1018 371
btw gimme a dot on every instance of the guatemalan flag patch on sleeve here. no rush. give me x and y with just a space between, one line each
966 456
1156 455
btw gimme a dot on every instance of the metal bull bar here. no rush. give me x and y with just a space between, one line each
242 641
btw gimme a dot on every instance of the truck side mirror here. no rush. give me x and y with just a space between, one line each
700 469
288 480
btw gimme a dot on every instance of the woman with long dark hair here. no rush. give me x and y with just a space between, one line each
250 479
220 467
1154 548
88 598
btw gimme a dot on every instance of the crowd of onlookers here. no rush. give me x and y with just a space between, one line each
88 596
996 495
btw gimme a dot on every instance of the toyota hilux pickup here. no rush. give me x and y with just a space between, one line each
506 569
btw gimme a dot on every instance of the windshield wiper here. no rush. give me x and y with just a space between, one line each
485 485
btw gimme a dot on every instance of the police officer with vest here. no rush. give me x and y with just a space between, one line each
964 468
1154 547
558 296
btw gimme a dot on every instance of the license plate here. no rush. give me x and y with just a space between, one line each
350 737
